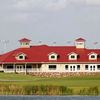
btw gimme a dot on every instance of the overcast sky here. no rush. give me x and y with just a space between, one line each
49 21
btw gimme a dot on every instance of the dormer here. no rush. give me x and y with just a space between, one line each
52 56
93 56
25 43
20 56
80 43
72 56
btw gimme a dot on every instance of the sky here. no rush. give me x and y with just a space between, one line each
49 21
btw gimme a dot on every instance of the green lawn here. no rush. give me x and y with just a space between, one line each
75 83
21 79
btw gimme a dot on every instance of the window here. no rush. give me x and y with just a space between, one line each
52 67
78 67
29 66
27 43
70 68
98 67
79 43
86 67
73 68
92 56
94 68
72 56
9 66
20 57
90 68
66 67
53 57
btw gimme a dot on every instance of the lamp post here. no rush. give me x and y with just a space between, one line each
95 45
54 43
4 45
39 42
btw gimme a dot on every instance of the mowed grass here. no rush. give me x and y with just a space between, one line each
74 82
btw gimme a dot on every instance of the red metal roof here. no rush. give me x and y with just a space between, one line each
40 53
24 40
80 39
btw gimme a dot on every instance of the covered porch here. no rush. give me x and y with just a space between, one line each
21 68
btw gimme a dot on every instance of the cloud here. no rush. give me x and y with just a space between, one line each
57 5
43 4
93 2
25 9
27 3
51 5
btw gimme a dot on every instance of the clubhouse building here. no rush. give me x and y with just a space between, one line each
48 59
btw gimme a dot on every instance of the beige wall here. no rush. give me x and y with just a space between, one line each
61 68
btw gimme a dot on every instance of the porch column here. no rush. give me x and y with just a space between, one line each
14 68
36 67
2 67
25 69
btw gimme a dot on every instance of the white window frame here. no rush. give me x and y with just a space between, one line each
91 68
72 54
18 56
92 54
53 54
52 68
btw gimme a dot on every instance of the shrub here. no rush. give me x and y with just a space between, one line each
89 91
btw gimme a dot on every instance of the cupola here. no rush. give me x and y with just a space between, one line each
80 43
25 43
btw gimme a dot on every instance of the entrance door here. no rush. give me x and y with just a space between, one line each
19 68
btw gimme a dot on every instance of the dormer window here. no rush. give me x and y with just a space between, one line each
21 56
92 56
72 56
53 56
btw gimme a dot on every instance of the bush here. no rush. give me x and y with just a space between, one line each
12 89
65 91
89 91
